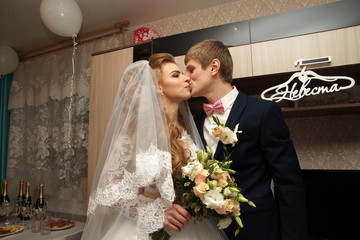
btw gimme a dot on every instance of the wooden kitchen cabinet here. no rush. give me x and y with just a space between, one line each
106 73
277 56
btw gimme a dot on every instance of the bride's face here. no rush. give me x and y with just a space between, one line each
175 85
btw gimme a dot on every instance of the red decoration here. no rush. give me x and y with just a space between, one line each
144 34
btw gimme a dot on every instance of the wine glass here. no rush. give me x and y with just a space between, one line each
6 209
26 211
17 211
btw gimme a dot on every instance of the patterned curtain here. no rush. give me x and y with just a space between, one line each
49 106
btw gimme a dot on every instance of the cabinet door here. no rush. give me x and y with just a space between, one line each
241 56
343 45
106 72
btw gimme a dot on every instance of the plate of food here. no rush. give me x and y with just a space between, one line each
10 229
61 224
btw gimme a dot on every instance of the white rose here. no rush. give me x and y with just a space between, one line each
192 169
186 170
213 199
224 223
218 189
227 136
227 192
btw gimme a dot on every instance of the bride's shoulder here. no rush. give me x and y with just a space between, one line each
189 143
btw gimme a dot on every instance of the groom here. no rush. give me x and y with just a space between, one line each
263 153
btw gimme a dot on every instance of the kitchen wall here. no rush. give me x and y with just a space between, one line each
325 142
223 14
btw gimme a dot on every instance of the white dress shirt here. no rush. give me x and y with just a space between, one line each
209 124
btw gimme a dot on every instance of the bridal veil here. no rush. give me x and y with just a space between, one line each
135 154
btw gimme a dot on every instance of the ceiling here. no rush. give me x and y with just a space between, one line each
22 29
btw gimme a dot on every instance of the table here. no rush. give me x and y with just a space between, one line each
73 233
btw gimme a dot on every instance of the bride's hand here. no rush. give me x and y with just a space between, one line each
176 218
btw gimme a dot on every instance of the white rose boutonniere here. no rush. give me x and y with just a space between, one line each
225 134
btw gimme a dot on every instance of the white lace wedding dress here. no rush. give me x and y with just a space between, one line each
135 154
126 228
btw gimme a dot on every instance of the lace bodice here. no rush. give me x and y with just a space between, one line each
120 182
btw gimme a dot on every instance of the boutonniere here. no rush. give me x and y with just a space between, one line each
225 134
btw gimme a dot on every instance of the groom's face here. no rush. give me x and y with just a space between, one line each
200 78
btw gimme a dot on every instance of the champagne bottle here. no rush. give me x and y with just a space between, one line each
27 202
41 204
4 196
21 196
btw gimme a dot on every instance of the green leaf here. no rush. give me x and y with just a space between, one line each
216 120
237 231
179 177
197 208
239 222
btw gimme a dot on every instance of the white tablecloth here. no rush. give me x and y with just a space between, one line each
73 233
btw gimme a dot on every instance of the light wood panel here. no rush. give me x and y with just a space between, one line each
241 56
106 72
277 56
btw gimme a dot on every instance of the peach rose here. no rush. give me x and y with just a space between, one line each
222 182
220 211
226 207
200 189
216 131
224 176
201 177
236 209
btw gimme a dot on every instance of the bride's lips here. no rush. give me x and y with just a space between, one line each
188 87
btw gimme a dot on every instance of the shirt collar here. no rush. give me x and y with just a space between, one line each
229 98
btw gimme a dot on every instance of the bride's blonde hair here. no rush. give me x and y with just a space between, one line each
178 156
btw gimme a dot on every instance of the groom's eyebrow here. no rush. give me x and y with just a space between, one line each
189 67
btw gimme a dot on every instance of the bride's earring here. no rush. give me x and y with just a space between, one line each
162 93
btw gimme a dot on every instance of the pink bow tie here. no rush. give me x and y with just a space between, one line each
217 106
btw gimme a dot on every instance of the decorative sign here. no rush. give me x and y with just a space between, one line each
304 83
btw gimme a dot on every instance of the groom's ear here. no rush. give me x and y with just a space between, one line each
215 66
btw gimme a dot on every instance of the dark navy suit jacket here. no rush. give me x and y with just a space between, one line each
264 151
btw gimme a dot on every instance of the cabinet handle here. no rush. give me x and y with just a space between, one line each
305 62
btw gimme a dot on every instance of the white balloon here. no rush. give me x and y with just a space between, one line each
63 17
9 60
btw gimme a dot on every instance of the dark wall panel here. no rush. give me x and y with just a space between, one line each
233 34
340 14
326 17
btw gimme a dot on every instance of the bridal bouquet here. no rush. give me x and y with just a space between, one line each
207 190
206 187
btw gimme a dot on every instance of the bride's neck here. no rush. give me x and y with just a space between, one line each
171 110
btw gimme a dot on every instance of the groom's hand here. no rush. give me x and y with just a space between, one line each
176 218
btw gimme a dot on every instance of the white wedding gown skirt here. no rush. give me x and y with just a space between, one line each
125 228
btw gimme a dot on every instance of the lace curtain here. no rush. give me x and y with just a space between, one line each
49 125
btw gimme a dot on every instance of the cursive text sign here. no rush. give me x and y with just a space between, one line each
300 85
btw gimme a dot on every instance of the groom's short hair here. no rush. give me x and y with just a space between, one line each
205 51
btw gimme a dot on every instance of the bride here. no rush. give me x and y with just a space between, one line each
150 136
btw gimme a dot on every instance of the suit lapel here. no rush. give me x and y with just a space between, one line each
201 127
234 116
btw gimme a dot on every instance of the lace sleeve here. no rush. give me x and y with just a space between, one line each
120 181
